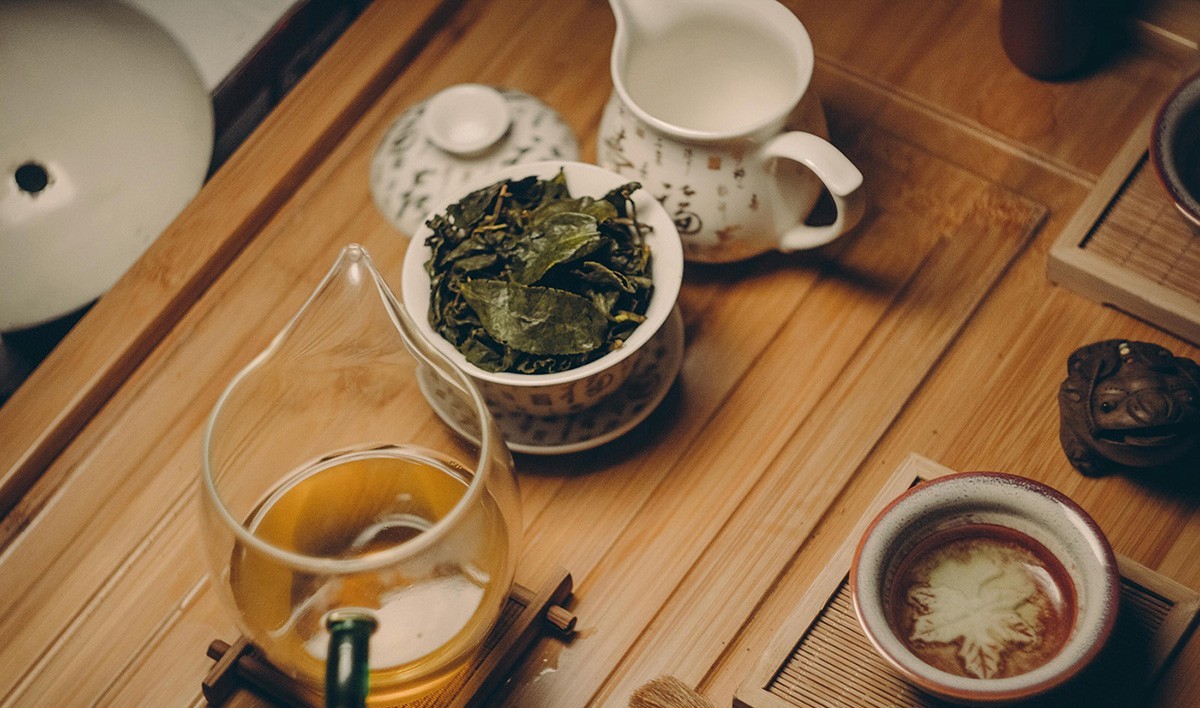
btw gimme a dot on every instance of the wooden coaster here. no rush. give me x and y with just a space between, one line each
1128 246
523 619
820 656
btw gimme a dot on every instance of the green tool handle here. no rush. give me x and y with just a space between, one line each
347 670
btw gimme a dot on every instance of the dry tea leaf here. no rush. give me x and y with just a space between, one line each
535 319
526 278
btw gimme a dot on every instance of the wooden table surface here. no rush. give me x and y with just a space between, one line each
807 378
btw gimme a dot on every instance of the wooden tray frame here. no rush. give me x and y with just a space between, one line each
753 693
1071 265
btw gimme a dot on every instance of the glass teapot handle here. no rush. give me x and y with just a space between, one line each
347 671
840 176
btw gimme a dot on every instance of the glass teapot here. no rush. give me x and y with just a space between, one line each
365 547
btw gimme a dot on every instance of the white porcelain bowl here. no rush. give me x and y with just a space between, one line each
580 388
983 588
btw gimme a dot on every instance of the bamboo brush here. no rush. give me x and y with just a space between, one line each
667 692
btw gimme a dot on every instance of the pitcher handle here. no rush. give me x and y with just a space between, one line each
347 670
840 176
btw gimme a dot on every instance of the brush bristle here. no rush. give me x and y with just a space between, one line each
667 692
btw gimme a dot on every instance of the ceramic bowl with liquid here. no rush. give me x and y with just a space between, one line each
983 588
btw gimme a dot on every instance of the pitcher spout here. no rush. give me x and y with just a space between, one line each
709 70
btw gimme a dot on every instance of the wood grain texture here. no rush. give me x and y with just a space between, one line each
807 379
886 345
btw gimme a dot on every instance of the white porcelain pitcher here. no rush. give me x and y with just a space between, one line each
711 112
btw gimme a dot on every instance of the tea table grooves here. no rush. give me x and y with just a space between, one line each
806 379
787 498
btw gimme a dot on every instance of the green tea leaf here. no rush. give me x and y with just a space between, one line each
483 353
563 237
601 275
534 319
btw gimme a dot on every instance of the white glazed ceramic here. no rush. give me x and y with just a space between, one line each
466 119
456 136
106 133
957 502
621 411
578 389
712 112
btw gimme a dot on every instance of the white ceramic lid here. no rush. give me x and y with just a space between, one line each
107 135
455 136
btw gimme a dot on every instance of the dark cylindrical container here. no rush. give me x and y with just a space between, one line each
1056 39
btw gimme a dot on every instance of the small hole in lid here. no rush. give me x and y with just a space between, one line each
31 177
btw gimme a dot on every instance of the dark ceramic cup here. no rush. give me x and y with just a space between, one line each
1175 147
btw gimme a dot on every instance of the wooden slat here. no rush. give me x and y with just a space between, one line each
896 336
805 477
1175 21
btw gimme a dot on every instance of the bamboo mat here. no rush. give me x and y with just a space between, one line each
1128 246
834 665
820 657
1143 232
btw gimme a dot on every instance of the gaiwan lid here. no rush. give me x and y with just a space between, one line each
455 135
106 133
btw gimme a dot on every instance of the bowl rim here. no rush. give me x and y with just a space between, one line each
666 270
1164 129
1012 689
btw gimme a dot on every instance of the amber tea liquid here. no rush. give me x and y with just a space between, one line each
432 610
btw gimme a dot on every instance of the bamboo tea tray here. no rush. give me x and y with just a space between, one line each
1129 247
527 615
820 657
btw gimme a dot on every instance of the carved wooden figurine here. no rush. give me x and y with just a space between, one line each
1128 405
